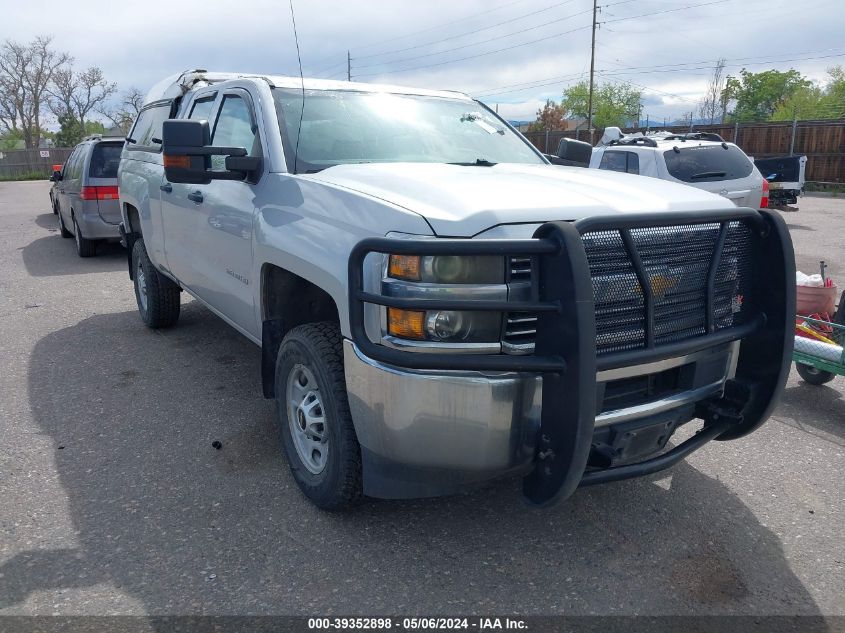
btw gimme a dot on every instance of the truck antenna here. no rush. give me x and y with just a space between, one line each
302 82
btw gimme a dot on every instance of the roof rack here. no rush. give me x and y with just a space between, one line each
99 136
634 140
695 136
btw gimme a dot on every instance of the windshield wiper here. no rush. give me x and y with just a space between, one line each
709 174
479 162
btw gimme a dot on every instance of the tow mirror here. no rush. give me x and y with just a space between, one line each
187 154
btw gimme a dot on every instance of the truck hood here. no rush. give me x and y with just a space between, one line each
462 201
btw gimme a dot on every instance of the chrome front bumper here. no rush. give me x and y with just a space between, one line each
426 433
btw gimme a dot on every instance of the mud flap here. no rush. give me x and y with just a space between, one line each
272 333
568 415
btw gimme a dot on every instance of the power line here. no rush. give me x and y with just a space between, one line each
645 15
492 39
460 59
460 35
616 71
487 92
430 28
452 61
539 83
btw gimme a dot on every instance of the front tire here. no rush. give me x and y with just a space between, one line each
157 296
312 412
84 247
813 375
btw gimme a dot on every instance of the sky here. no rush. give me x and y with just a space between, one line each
513 54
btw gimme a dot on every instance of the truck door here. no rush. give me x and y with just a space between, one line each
181 215
217 220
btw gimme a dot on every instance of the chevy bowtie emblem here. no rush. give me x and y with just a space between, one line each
660 285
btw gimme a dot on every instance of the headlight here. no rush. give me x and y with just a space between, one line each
448 269
445 326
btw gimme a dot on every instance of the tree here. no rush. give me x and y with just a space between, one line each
816 102
711 105
9 139
79 93
833 101
552 116
26 72
802 104
72 132
127 111
613 104
759 95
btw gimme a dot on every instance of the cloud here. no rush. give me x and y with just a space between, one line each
515 53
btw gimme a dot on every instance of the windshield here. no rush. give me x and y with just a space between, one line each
341 127
708 163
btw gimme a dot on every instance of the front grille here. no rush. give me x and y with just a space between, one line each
677 262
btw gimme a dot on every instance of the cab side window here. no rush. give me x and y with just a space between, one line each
234 128
147 129
626 162
201 108
234 125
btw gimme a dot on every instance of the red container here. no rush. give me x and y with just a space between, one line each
812 300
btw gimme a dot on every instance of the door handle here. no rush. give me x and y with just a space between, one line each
196 196
166 187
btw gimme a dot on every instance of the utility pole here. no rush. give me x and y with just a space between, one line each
592 72
348 66
726 97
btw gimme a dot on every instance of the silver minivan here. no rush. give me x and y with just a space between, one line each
86 198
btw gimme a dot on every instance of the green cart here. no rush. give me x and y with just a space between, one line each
819 361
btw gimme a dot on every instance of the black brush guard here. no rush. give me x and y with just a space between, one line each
565 350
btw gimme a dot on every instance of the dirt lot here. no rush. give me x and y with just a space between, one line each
114 501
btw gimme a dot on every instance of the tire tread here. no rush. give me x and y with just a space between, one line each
163 300
325 340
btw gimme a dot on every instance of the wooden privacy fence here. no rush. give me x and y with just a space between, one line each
20 163
822 142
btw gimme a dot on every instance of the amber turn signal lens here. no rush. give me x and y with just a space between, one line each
404 267
406 323
180 162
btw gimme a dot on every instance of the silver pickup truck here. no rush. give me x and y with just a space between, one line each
437 305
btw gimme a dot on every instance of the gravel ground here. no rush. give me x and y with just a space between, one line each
115 502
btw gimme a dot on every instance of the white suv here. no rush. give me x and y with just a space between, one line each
699 159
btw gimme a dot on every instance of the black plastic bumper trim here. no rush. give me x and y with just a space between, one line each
661 462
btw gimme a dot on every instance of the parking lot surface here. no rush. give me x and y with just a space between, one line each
115 502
